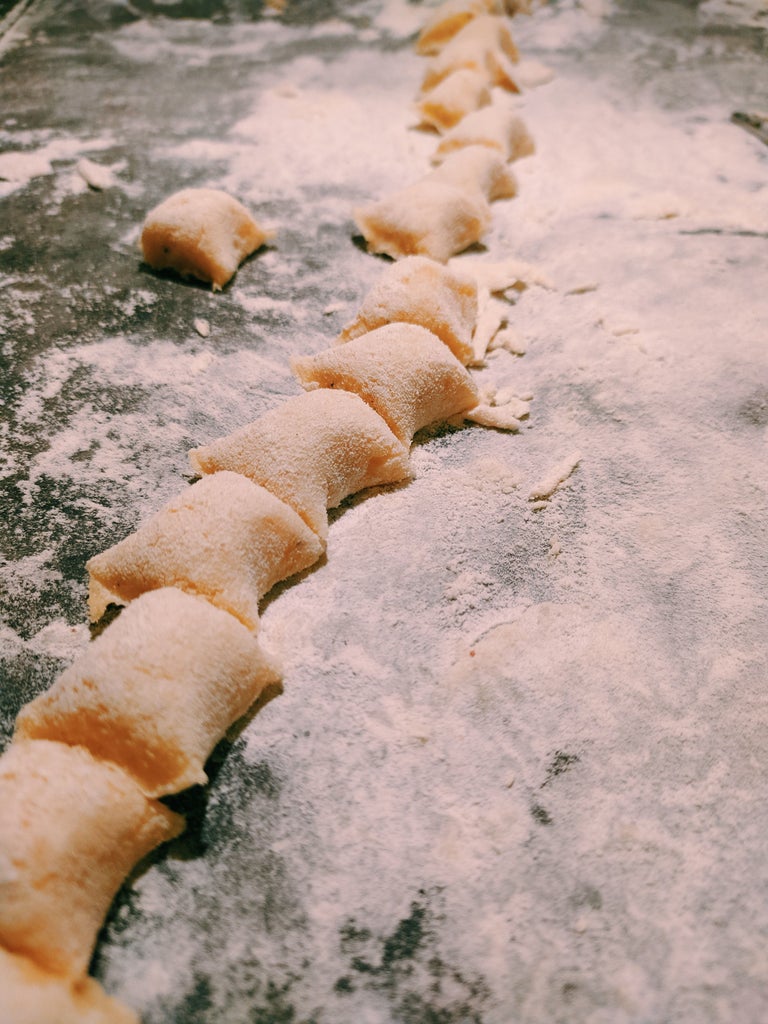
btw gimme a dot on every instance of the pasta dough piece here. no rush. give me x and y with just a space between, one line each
403 371
449 18
457 95
311 452
477 168
31 995
156 691
223 538
202 233
420 291
484 44
496 127
424 219
71 828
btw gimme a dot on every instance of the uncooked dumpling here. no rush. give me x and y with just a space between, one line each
71 829
480 169
202 233
484 44
156 691
402 371
311 451
449 18
496 126
31 995
427 218
223 538
417 290
456 96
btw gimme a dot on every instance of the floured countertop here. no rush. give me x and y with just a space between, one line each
517 773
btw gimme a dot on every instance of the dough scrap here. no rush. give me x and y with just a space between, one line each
156 691
449 18
71 829
480 169
457 95
31 995
427 218
484 44
417 290
202 233
496 127
402 371
311 452
224 538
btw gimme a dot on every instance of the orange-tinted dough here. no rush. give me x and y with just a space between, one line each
497 127
31 995
484 44
311 451
427 218
224 538
202 233
449 18
417 290
480 169
71 829
402 371
156 691
457 95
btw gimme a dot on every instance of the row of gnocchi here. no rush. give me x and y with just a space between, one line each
136 716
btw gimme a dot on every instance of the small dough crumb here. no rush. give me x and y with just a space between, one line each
557 476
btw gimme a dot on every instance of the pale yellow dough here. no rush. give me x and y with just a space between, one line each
456 96
497 127
480 169
71 829
402 371
156 691
427 218
417 290
202 233
31 995
224 538
449 18
311 451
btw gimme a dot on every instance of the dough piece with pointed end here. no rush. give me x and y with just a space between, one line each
311 452
449 18
496 126
223 538
480 169
32 995
156 691
402 371
427 218
202 233
420 291
484 44
71 829
456 96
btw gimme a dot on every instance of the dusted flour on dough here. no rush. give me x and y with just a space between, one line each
427 218
202 233
456 96
449 18
223 538
32 995
156 691
71 828
403 371
477 168
484 44
311 451
417 290
497 127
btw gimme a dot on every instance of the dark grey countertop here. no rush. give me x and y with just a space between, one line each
517 771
